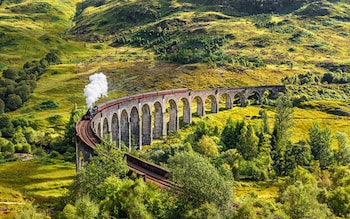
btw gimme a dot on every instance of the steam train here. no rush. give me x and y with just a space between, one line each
96 109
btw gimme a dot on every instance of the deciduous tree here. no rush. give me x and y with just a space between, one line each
248 142
320 142
201 182
281 133
342 155
207 147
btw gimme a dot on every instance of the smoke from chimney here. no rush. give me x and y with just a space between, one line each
95 89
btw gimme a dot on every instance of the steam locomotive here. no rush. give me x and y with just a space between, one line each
96 109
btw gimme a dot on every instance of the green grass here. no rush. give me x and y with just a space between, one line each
266 191
132 69
41 180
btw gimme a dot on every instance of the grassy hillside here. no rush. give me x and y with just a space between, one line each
39 180
186 32
153 45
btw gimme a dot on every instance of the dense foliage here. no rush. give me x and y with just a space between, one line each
17 84
20 135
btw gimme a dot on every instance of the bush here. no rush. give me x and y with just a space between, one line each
52 58
56 155
49 104
39 152
249 169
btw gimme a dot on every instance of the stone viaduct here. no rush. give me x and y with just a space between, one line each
137 120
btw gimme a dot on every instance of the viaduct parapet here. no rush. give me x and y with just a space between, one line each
139 119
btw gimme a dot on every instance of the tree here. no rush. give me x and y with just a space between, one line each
205 211
23 91
108 162
299 198
19 139
281 132
84 208
6 126
6 146
10 73
230 133
341 176
343 154
298 154
248 142
126 198
201 182
2 106
320 142
300 201
30 135
339 201
246 211
231 158
13 102
265 117
70 132
207 147
264 161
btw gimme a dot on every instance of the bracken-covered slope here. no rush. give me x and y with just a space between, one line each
244 33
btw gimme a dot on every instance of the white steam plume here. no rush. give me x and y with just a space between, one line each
96 88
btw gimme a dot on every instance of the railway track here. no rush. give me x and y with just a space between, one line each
148 171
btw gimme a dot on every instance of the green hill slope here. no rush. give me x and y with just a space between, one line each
189 32
154 45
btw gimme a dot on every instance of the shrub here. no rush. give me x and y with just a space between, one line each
56 155
49 104
40 152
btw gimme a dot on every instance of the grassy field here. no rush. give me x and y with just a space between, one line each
41 180
51 25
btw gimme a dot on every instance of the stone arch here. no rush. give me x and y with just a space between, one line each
146 125
225 102
135 128
158 120
200 106
186 116
212 103
99 129
173 116
239 99
106 130
115 130
253 98
269 94
124 128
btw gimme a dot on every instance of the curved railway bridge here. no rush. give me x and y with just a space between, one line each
137 120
